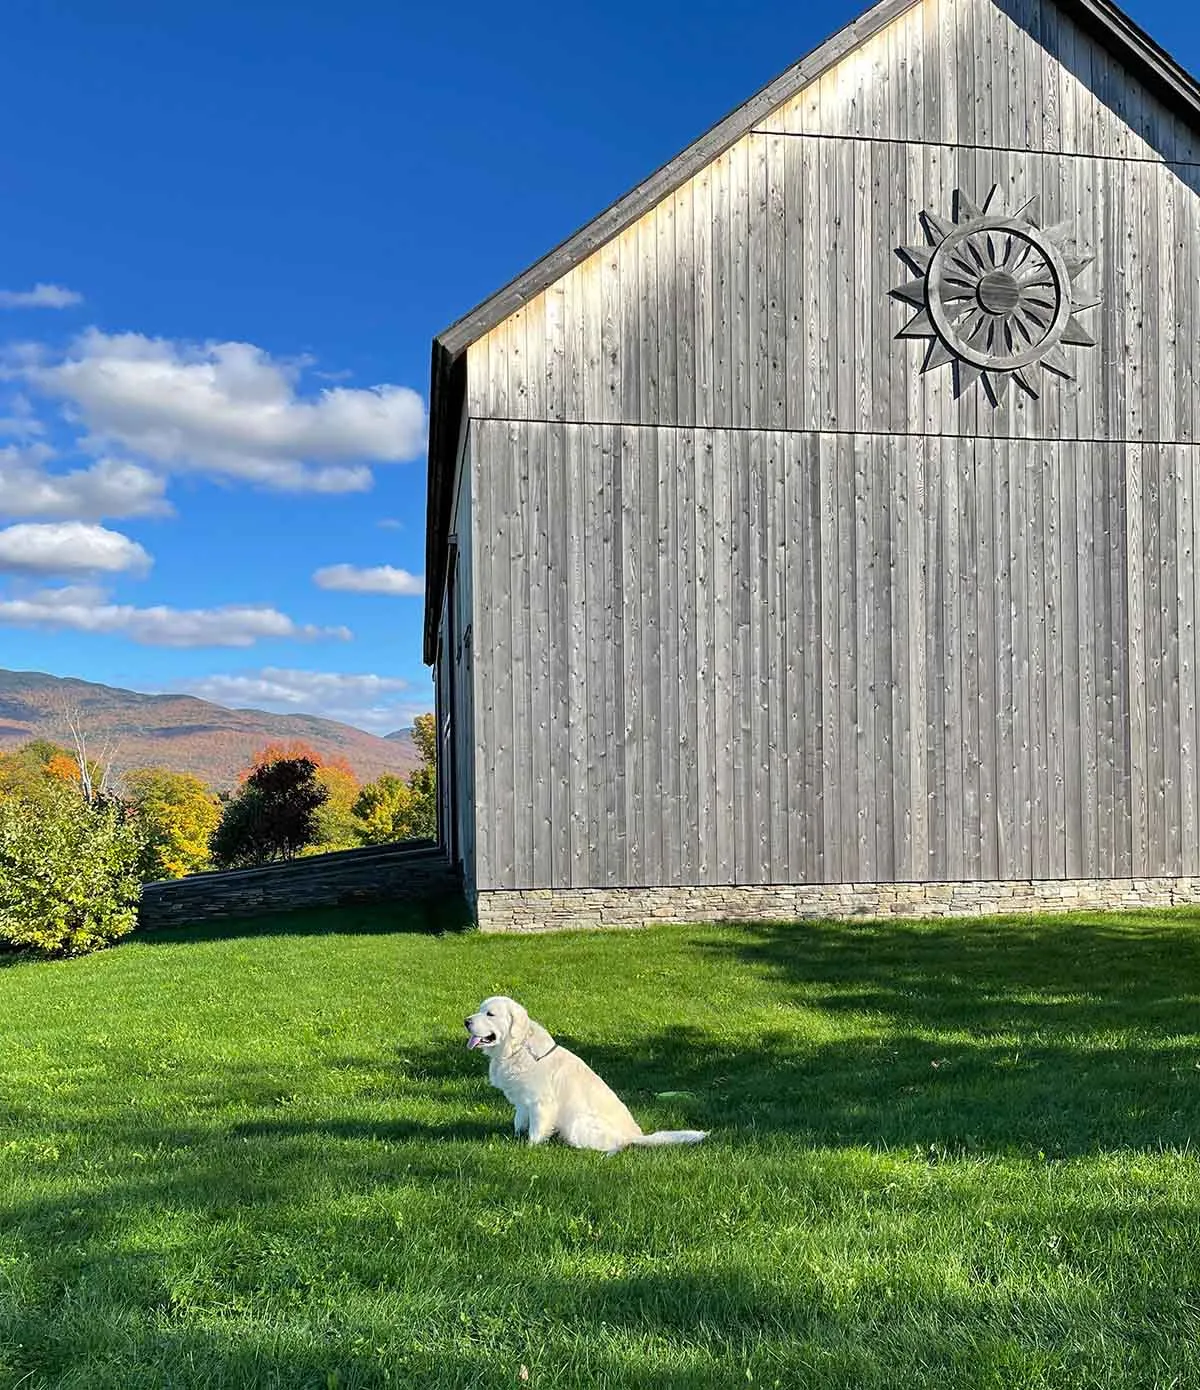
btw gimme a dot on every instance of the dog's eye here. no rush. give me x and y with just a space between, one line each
488 1014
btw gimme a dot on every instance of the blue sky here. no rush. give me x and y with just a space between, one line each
229 234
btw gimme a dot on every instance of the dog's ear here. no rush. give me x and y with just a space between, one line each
518 1024
524 1032
538 1041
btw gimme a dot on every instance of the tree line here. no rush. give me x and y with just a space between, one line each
76 846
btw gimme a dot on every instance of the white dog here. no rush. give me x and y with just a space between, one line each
553 1090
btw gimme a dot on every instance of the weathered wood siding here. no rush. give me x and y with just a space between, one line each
772 658
756 600
759 299
455 677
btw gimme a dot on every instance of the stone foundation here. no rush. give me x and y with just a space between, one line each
537 910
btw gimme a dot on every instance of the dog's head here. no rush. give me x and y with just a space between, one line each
500 1025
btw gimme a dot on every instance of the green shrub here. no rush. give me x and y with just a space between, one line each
69 879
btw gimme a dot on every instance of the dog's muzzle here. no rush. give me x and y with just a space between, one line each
477 1039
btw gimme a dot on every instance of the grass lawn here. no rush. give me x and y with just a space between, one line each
950 1155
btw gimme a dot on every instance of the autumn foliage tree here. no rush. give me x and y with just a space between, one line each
337 827
178 815
273 816
404 808
69 879
29 771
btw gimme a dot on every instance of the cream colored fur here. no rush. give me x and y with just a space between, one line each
554 1091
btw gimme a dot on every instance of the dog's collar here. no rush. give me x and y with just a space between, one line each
544 1055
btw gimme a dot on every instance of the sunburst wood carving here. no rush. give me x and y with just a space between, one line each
996 297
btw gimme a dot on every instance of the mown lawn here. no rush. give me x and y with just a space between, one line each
950 1155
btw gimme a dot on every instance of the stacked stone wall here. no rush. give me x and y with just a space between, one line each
537 910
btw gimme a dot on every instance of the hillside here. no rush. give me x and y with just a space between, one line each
179 731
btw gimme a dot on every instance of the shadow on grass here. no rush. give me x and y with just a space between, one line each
264 1294
386 1132
1054 1040
433 914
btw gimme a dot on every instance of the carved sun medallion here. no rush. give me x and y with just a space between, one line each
996 297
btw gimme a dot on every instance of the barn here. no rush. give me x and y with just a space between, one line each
814 532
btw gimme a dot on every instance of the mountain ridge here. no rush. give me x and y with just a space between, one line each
181 732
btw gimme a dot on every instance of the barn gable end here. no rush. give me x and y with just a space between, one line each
832 518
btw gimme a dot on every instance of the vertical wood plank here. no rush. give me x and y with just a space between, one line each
706 732
560 617
742 386
722 293
652 650
702 272
632 673
685 304
536 713
611 331
832 834
648 325
776 388
757 405
1139 711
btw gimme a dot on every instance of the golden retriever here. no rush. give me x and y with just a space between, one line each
554 1091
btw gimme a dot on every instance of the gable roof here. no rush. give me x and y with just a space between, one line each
1102 20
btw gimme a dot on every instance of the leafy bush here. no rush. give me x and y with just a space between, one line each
69 880
274 816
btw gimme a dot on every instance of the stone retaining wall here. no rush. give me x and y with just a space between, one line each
387 873
535 910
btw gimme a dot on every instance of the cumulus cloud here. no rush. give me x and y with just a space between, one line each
85 608
21 422
378 704
68 547
109 488
228 409
40 297
382 579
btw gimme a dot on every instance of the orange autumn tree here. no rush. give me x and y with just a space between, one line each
36 767
63 767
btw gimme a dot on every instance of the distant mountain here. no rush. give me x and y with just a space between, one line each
181 732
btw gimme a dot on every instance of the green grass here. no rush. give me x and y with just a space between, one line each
949 1155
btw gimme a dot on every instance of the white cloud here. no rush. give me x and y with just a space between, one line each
40 297
22 421
379 704
368 702
68 547
109 488
383 579
83 608
228 409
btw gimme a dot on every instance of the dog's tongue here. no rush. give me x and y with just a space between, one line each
473 1041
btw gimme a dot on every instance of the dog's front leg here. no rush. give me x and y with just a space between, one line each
521 1121
541 1124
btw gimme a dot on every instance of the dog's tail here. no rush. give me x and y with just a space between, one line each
670 1136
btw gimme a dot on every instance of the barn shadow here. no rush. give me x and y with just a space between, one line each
1060 1038
952 1040
1007 1037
